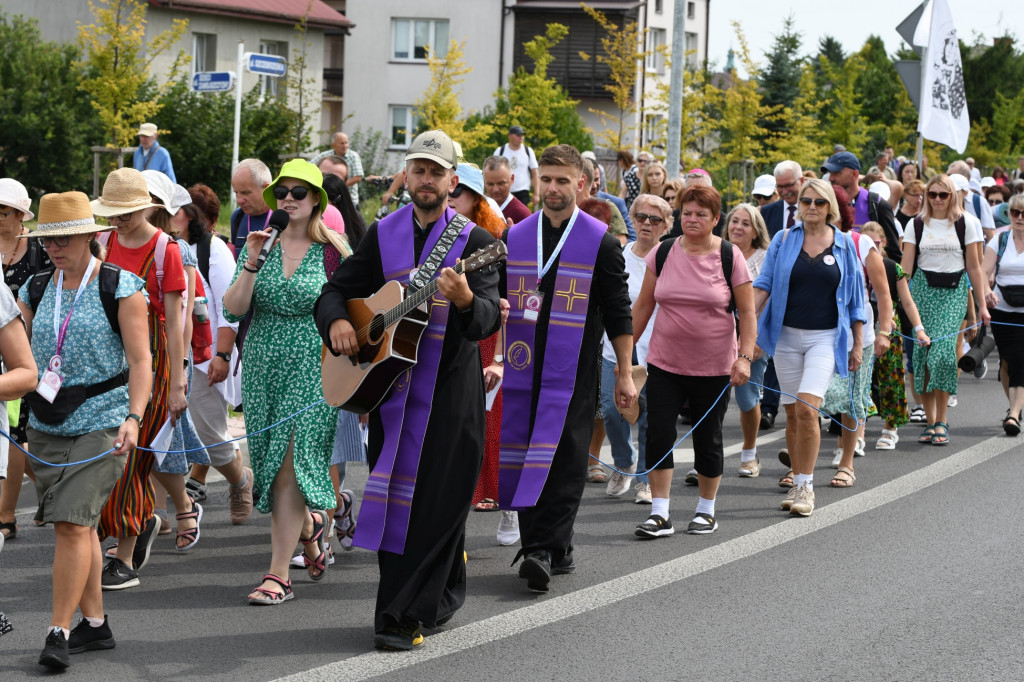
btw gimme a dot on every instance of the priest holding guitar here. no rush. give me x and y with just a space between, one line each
412 352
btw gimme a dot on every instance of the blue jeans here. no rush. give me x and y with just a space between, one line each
748 394
619 432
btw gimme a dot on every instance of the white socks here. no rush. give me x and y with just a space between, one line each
705 506
94 622
748 455
801 479
54 628
245 479
659 507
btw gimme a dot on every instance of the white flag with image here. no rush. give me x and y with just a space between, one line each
944 102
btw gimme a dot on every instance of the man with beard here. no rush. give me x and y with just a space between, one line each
566 284
414 511
844 170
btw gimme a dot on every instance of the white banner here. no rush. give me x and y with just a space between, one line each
944 103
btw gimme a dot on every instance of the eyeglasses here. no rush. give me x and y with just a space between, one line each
994 202
4 215
457 192
670 198
642 161
298 192
788 185
59 241
938 195
807 201
123 218
1016 213
653 219
916 196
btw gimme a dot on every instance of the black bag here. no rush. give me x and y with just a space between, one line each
943 280
1013 294
70 398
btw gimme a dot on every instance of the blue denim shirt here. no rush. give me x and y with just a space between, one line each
774 278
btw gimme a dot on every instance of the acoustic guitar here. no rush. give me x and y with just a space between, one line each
388 328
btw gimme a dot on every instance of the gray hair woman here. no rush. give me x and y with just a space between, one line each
94 383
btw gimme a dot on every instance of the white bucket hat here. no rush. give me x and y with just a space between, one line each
166 191
14 194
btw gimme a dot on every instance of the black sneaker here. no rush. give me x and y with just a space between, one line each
144 543
691 477
654 527
767 420
702 524
536 568
87 638
195 490
55 651
118 576
400 637
564 565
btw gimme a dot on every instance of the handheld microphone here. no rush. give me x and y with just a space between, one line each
278 222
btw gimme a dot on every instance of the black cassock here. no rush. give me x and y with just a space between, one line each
548 525
427 582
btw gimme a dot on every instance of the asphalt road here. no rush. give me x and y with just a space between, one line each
913 574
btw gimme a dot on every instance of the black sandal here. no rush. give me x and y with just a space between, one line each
1011 425
11 527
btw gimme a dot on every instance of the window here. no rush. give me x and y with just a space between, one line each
269 85
403 125
655 43
411 38
691 10
204 52
658 6
654 129
692 53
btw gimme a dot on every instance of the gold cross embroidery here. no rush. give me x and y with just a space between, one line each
437 300
519 293
571 295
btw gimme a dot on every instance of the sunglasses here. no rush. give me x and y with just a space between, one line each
298 192
807 201
123 218
457 192
59 241
994 202
938 195
1016 213
653 219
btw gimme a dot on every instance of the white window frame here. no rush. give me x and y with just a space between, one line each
274 87
655 61
691 10
694 59
205 39
411 122
412 59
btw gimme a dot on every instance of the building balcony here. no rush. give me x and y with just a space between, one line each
334 82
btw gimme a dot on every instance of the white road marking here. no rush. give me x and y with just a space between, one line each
480 633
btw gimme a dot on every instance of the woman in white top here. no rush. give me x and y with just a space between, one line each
1006 271
940 291
745 228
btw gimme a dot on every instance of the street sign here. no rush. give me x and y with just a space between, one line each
909 71
213 81
265 64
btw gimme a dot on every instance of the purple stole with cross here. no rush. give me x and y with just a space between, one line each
861 214
525 457
387 501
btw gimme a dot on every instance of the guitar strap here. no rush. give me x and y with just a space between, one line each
440 251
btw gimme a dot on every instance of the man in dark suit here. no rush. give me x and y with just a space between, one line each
782 213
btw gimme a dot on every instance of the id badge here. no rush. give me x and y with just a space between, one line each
532 304
49 385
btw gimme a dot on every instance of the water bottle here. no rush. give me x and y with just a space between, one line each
201 309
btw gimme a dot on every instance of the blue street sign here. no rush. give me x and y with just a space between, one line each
265 64
213 81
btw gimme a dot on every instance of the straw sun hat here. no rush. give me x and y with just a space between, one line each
124 191
65 214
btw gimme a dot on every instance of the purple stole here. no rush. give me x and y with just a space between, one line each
860 209
525 457
387 500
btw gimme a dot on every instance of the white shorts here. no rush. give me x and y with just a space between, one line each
804 362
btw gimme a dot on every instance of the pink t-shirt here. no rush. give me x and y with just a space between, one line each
333 219
694 334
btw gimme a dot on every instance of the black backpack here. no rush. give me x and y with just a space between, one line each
726 248
961 234
110 274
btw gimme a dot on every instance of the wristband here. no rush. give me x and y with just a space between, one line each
246 267
745 357
135 417
918 328
226 357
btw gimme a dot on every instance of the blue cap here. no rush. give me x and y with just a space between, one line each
838 162
471 177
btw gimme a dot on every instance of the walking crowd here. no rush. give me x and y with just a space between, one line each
849 295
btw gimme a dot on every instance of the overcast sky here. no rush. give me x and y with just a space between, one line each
762 20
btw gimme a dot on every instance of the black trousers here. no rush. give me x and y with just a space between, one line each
524 196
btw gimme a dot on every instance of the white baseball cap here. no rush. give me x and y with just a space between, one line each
764 186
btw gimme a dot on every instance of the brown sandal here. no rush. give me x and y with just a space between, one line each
843 478
787 480
319 538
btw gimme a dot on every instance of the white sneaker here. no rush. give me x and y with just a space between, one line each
837 458
508 528
298 562
643 493
952 401
858 451
618 484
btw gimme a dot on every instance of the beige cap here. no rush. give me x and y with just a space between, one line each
148 129
436 146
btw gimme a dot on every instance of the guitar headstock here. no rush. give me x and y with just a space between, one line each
488 255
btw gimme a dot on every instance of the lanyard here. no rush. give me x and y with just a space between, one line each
541 271
248 222
60 330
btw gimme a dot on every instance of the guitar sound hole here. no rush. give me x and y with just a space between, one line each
377 328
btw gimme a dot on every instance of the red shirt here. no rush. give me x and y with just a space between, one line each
133 259
516 210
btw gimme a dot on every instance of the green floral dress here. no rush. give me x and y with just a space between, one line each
281 375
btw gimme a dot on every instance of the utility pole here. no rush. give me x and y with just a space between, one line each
675 89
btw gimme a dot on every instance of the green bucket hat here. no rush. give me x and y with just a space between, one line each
298 169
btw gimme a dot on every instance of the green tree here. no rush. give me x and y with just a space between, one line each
802 140
890 115
48 126
537 102
117 57
989 70
439 108
621 56
696 119
302 85
780 81
840 116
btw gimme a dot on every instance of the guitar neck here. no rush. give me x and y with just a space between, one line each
416 299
